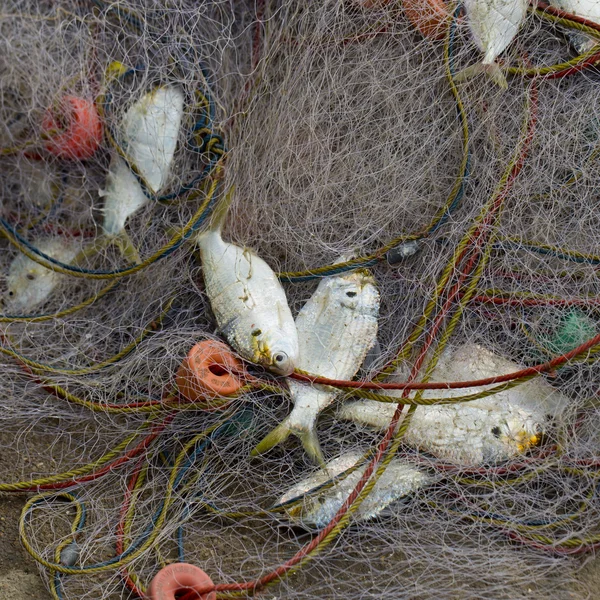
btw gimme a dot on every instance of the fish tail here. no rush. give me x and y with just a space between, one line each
308 437
273 438
127 248
310 441
492 70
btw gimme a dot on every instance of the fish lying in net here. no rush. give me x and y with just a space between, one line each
336 329
493 25
486 430
29 284
149 132
318 508
588 9
247 300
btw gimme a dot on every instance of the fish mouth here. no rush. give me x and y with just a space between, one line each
525 441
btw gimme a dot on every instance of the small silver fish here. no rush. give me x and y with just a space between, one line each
487 430
316 510
150 130
248 301
493 25
336 329
29 284
149 136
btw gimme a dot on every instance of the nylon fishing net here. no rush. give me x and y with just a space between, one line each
346 142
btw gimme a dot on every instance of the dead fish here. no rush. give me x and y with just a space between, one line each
248 301
149 134
588 9
29 284
487 430
493 25
317 509
336 329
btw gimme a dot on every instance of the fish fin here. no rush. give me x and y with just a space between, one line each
308 437
492 70
96 247
311 445
128 250
273 438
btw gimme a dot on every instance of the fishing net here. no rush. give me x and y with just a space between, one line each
340 131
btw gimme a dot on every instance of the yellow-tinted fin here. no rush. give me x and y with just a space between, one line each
272 439
492 70
128 250
309 440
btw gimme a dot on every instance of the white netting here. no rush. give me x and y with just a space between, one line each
343 136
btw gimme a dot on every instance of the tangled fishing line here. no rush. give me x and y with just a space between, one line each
342 136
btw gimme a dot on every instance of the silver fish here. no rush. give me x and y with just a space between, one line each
487 430
248 301
316 510
336 329
493 25
588 9
29 284
149 131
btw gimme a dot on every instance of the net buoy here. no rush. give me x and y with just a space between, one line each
430 17
79 129
208 372
174 580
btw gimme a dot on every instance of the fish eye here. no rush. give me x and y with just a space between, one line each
11 293
30 276
496 431
280 358
350 294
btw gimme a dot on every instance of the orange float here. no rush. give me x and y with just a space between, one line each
208 372
79 129
430 17
175 580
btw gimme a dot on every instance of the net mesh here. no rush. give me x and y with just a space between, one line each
344 136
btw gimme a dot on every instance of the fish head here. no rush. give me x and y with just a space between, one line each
279 356
516 434
28 284
274 340
357 291
275 350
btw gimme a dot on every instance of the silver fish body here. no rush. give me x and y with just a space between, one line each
493 25
316 510
486 430
249 304
149 131
30 284
123 196
336 329
588 9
